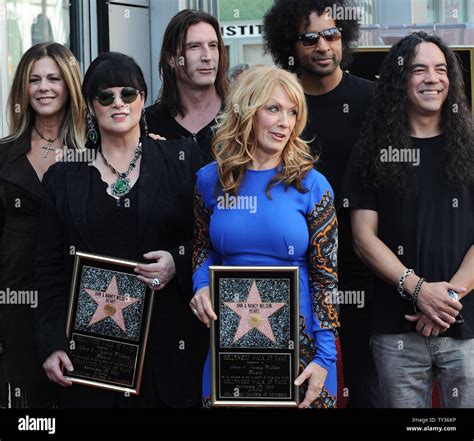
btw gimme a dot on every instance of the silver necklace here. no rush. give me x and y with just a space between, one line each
121 186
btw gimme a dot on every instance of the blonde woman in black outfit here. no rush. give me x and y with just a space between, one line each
45 109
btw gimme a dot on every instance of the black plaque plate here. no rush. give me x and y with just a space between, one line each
254 341
108 323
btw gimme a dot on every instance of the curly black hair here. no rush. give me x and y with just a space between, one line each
281 23
387 121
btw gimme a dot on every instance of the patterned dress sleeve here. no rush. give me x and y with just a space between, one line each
203 254
322 225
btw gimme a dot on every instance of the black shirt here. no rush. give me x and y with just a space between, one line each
119 239
334 122
162 123
430 230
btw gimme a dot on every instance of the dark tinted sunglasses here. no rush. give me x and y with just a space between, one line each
128 96
312 38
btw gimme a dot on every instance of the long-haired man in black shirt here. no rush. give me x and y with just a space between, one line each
315 40
193 67
410 187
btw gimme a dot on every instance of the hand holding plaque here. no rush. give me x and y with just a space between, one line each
315 375
202 307
54 365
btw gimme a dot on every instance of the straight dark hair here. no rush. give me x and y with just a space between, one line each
174 42
112 69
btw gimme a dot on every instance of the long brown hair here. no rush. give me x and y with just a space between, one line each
174 41
235 141
21 114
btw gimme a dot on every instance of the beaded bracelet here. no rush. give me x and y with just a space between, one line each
416 292
401 281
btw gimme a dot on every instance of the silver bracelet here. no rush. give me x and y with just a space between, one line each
401 281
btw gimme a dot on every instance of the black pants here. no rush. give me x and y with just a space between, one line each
360 376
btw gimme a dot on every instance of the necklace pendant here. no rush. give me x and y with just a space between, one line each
120 187
47 148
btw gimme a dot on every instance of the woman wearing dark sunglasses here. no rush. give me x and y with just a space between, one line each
133 202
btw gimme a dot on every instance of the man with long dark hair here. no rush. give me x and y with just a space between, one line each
193 67
315 39
410 187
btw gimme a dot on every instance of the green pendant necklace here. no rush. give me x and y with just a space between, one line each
121 186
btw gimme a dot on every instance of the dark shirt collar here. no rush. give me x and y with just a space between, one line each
20 146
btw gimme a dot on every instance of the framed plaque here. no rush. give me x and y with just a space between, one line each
107 324
255 339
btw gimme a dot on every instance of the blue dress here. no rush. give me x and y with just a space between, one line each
290 229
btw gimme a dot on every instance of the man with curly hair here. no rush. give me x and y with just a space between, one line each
315 39
410 186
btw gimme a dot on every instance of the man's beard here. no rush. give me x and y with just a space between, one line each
311 68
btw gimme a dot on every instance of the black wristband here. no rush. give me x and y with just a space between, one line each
417 291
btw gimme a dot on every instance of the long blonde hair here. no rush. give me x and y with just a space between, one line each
21 116
235 142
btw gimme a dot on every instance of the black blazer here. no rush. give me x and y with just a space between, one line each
165 222
20 205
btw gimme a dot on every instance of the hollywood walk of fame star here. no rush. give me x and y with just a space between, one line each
254 314
110 304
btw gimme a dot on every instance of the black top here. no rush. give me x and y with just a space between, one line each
118 215
163 124
20 203
334 122
430 231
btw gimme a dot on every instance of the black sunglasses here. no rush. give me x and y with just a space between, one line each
128 95
312 38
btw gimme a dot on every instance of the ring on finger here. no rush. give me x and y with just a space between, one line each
156 282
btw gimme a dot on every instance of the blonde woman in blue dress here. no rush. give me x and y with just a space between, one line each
259 155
